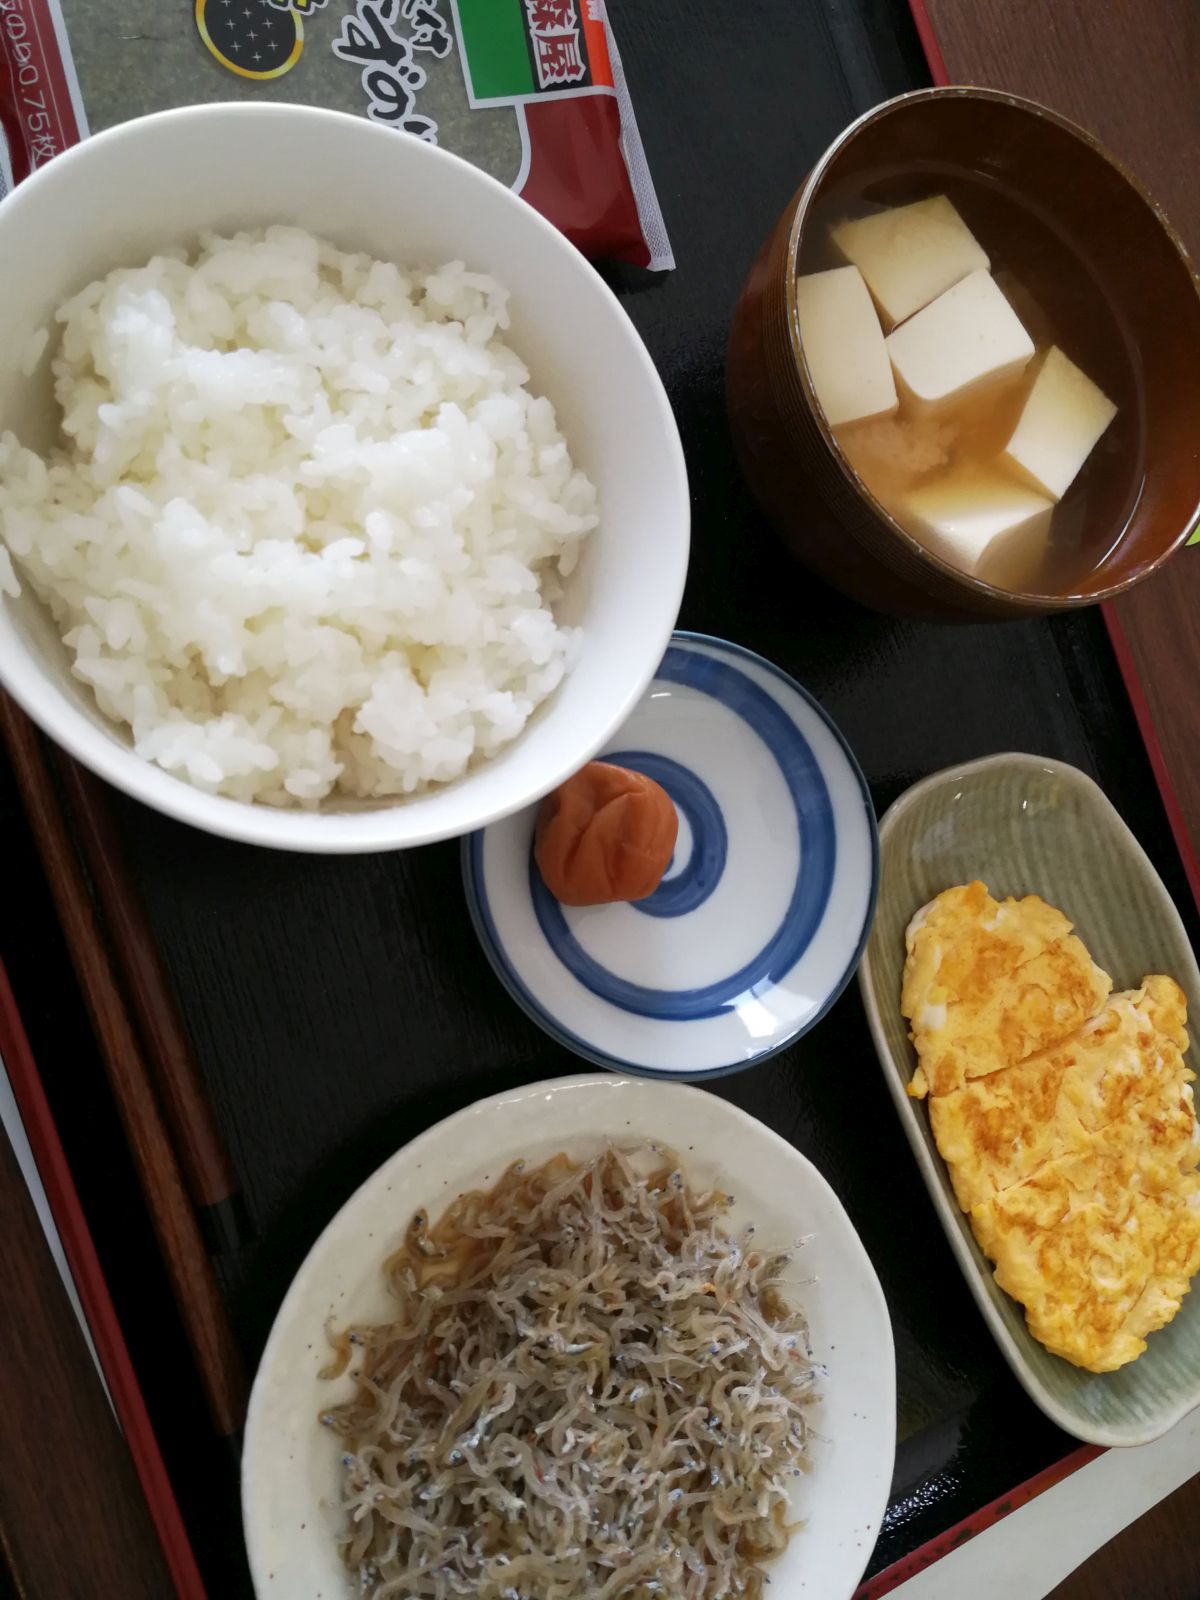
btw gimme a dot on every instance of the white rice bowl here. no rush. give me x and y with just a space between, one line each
306 531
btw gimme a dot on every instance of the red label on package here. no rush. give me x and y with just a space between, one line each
39 101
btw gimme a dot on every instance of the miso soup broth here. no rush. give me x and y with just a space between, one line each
908 457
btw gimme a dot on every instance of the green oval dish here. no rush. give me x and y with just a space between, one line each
1029 825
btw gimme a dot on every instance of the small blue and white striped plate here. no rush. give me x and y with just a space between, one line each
763 913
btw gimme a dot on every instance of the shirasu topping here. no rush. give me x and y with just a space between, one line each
589 1389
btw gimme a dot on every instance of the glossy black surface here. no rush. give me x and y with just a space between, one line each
339 1006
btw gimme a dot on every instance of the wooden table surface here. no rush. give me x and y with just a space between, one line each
60 1444
1156 1558
1130 71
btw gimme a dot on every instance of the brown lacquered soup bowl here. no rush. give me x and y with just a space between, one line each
790 457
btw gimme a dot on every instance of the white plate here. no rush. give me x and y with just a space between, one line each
290 1463
763 913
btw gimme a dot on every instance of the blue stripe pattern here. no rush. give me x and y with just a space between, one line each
814 879
700 874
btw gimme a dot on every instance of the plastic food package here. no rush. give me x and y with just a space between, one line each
530 90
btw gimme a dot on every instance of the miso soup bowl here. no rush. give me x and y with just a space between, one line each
794 466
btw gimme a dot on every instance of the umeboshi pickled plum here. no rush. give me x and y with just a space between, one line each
605 835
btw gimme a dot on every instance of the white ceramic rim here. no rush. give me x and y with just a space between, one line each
315 832
858 1536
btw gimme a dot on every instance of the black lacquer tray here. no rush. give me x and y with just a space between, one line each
339 1006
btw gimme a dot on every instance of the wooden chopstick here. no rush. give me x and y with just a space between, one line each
201 1150
175 1224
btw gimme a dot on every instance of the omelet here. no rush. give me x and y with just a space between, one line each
1119 1077
989 983
1065 1115
1097 1262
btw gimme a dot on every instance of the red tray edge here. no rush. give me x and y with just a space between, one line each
943 1543
1145 721
1116 632
934 59
101 1316
98 1308
925 1555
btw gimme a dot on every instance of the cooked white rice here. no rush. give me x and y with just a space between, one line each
309 520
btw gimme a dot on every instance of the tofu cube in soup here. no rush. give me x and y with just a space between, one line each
975 432
910 254
844 346
1062 419
967 337
988 525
